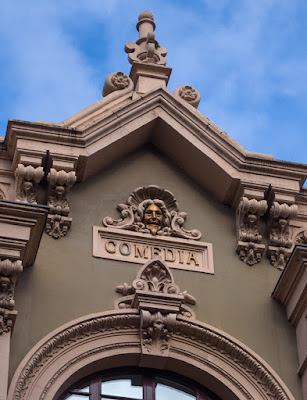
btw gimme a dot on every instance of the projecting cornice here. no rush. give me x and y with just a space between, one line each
162 119
124 121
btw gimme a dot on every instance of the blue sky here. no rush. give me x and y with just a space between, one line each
247 58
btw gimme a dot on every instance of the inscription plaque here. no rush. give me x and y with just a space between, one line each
136 247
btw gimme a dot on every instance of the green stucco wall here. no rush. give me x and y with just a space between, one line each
67 282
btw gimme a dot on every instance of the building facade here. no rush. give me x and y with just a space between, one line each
140 243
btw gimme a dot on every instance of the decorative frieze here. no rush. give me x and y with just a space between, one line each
280 240
27 179
249 245
159 300
9 274
58 222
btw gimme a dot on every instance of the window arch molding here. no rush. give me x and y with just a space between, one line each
111 339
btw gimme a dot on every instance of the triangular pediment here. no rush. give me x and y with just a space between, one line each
103 133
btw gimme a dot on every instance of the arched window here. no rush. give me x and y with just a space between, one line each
141 384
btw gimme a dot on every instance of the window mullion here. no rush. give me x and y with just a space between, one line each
95 388
149 387
201 395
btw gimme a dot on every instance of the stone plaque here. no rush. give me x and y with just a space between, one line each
137 247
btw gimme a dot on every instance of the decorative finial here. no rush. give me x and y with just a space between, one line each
146 14
146 49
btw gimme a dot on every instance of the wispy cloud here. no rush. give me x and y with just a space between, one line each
248 60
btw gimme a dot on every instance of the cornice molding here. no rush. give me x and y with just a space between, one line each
21 227
291 275
195 122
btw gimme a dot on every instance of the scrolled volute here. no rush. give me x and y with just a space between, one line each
116 81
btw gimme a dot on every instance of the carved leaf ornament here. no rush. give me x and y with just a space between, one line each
169 222
155 311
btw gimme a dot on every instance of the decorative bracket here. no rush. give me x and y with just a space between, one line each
27 179
9 274
249 245
58 222
159 301
280 242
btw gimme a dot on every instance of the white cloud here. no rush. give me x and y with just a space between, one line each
246 58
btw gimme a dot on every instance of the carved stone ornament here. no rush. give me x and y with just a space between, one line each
280 242
113 337
249 246
159 301
153 210
27 179
58 222
9 274
116 81
301 237
146 49
189 94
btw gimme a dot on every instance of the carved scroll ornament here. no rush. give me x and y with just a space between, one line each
189 94
9 274
116 81
280 242
154 210
249 246
159 301
58 222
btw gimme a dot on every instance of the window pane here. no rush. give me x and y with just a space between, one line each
164 392
124 387
86 389
76 397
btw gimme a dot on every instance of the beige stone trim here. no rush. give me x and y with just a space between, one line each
116 244
111 339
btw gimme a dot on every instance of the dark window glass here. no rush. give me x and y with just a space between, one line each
141 385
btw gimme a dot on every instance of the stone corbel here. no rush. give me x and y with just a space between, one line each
9 274
27 179
249 245
58 222
159 302
280 241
